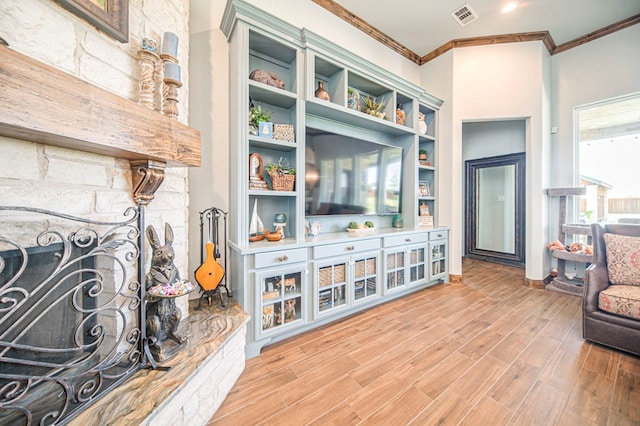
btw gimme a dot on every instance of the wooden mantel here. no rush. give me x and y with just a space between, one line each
42 104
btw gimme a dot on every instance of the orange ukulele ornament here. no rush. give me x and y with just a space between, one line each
210 273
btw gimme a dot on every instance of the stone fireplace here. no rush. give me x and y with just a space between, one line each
70 146
70 312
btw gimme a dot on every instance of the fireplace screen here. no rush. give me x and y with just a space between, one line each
70 311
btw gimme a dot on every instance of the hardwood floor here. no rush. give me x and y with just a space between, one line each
486 352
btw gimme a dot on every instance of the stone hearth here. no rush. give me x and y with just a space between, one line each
193 389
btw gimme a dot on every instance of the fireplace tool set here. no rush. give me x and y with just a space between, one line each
211 275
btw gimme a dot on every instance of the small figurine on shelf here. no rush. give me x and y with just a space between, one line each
400 115
422 125
315 228
289 310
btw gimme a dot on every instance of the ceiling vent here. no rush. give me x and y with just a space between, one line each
464 15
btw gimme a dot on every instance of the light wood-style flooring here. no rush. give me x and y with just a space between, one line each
487 352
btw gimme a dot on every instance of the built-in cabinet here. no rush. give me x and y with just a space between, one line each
301 282
346 274
438 254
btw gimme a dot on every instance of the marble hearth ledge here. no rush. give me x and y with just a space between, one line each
201 376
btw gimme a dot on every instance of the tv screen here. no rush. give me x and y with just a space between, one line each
347 176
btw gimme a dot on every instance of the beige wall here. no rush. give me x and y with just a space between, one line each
603 69
489 83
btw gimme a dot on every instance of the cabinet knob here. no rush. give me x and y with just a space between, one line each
439 235
408 240
350 248
283 258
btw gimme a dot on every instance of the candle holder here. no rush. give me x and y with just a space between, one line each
148 61
170 97
170 86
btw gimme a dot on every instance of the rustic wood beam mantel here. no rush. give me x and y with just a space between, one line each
40 103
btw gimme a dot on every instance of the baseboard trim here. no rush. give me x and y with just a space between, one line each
455 279
539 284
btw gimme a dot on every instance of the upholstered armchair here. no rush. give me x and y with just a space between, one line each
611 299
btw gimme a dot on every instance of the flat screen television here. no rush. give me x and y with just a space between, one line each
346 176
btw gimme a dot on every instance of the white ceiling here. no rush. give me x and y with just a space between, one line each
424 25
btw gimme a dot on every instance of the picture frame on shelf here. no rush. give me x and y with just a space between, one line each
266 129
423 188
110 16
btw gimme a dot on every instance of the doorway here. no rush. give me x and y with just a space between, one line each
495 215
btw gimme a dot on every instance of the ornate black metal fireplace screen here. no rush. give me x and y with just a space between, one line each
71 311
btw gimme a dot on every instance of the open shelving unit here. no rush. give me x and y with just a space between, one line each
336 274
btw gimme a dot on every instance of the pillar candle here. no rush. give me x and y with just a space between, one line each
172 71
170 44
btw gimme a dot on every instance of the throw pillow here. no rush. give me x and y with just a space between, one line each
623 259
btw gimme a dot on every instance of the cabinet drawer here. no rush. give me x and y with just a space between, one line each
277 258
345 248
438 235
399 240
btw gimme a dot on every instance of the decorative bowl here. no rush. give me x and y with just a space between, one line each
361 231
175 289
273 237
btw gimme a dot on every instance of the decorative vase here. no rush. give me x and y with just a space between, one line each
321 92
397 221
353 100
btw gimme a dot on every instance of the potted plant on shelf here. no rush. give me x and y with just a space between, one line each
282 176
373 107
257 116
422 157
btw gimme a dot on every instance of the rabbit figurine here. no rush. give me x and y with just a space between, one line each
163 316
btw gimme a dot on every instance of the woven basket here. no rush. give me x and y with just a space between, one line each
360 269
282 182
324 276
371 266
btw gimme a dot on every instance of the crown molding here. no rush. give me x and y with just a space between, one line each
543 36
368 29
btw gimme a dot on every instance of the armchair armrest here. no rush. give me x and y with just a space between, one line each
596 279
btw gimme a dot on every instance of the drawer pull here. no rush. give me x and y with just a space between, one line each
439 235
283 258
408 240
350 248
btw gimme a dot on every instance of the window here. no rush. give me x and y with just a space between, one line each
608 155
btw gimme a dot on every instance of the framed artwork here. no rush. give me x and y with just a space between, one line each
110 16
265 129
423 188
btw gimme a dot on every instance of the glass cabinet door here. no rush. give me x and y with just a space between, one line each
417 264
438 262
395 269
331 286
365 277
280 298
